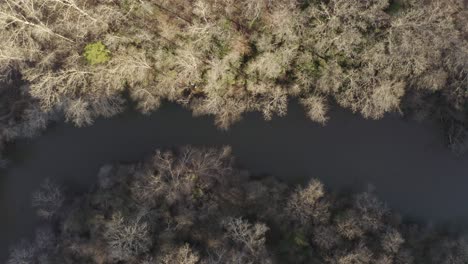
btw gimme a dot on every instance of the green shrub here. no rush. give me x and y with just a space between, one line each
394 7
96 53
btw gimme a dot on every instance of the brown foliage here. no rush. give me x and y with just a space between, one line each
190 206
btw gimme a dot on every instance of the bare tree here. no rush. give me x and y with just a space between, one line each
127 237
371 211
317 108
306 204
23 254
392 241
181 255
48 199
325 237
250 236
29 15
349 225
79 112
73 4
361 254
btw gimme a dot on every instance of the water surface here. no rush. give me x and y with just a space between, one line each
407 162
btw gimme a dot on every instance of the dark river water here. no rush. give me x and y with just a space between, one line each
406 162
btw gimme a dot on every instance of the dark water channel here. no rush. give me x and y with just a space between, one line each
407 162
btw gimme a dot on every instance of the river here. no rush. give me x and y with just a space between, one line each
405 161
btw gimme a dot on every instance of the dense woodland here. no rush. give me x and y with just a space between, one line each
192 206
77 59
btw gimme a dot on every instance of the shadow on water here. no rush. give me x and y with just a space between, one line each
407 163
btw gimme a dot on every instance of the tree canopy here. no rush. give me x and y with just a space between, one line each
192 206
225 58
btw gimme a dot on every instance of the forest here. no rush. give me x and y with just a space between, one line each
82 59
192 205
